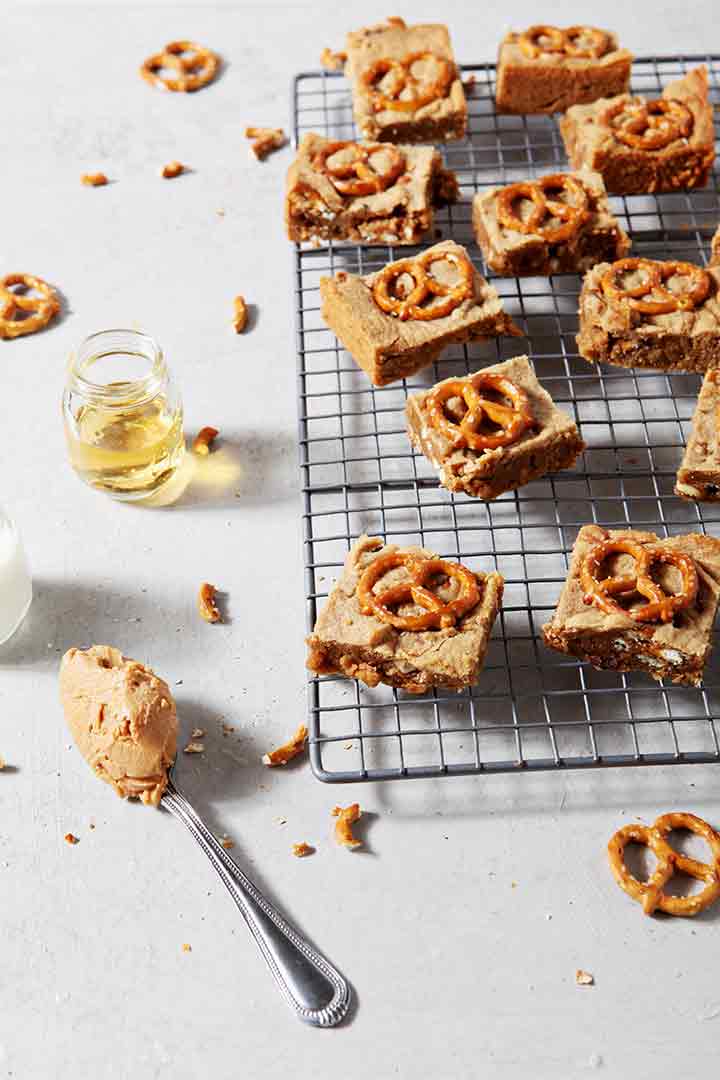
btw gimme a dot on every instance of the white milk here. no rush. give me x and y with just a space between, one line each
15 582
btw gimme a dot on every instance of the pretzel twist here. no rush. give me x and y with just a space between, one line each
571 214
513 420
193 71
649 125
358 176
669 862
422 91
662 606
424 285
581 42
650 296
39 309
437 613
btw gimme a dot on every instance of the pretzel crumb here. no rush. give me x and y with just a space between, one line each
197 733
70 839
194 748
266 140
172 169
95 179
302 849
204 440
333 61
584 978
395 20
288 750
346 818
226 842
240 317
206 603
186 947
228 729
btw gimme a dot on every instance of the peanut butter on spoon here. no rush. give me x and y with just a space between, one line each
122 718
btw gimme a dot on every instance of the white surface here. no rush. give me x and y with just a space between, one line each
463 922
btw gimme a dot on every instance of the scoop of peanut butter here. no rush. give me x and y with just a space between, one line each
122 718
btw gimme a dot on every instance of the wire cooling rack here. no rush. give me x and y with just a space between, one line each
533 708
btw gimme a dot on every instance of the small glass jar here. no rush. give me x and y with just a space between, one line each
123 415
15 581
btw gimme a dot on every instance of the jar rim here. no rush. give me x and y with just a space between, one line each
103 343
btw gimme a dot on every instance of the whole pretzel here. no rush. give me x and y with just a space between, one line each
193 72
649 125
410 306
571 214
513 420
41 308
661 300
669 861
438 613
596 42
403 78
358 177
662 606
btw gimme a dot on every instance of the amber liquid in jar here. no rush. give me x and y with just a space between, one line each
123 417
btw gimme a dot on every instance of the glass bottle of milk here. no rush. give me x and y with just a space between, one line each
15 581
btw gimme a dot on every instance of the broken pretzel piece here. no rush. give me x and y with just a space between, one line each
302 849
206 603
240 317
346 818
333 61
172 169
71 839
265 140
204 440
194 748
95 179
290 750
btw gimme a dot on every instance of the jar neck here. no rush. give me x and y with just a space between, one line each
116 368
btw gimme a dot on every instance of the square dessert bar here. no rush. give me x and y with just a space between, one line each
404 617
400 319
558 224
374 193
492 431
715 248
641 145
634 602
645 313
405 84
546 69
698 477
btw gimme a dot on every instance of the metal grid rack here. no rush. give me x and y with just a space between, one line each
532 709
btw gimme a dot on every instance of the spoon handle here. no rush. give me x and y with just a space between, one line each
311 986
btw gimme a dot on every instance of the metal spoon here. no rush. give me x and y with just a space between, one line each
311 986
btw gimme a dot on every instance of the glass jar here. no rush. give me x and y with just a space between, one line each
15 581
123 415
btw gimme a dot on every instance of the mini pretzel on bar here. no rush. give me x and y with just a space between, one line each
38 309
193 71
669 862
650 296
513 420
358 176
649 125
662 606
421 91
582 42
425 285
437 613
571 214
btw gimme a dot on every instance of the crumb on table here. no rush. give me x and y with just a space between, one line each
346 818
288 750
204 440
97 179
265 140
206 603
172 169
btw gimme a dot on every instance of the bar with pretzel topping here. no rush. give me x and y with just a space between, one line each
560 223
647 313
643 145
399 319
634 601
698 478
546 69
485 443
404 617
365 192
405 83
